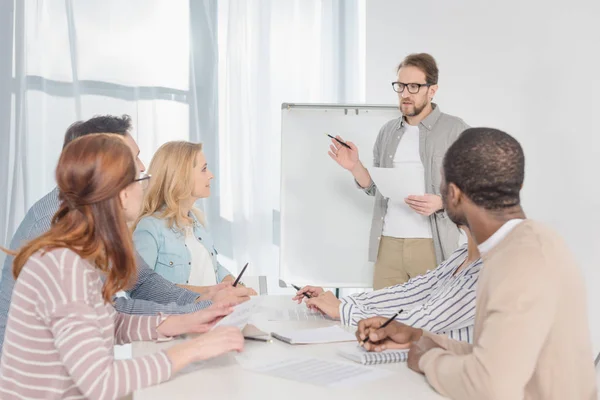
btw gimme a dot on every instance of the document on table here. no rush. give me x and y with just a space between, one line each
241 314
330 334
399 182
316 371
300 313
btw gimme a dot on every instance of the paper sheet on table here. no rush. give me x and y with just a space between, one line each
293 313
330 334
399 182
241 314
315 371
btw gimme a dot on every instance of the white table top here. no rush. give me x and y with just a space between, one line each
224 378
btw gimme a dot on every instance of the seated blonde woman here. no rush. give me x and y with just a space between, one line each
62 326
170 234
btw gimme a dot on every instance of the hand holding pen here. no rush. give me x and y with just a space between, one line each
344 153
379 334
306 292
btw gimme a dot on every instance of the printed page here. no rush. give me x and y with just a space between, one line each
330 334
316 371
241 314
399 182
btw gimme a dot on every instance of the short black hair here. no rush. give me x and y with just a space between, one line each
488 165
98 124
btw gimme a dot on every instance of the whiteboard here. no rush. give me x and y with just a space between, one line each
325 218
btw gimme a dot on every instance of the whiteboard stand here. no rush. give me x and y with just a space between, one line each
325 219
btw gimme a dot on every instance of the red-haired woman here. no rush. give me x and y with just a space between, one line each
62 326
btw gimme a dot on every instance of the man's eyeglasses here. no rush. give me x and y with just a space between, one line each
413 88
143 179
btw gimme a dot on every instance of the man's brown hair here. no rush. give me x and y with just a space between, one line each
425 62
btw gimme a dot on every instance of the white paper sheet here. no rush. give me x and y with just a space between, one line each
330 334
241 314
399 182
300 313
316 371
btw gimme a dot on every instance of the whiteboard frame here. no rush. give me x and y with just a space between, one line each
356 107
317 106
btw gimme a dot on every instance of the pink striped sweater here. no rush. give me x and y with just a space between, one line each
60 336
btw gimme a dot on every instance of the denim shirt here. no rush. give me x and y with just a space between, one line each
164 249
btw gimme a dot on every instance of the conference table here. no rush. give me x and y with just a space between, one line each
224 377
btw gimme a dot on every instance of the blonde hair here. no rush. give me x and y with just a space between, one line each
171 170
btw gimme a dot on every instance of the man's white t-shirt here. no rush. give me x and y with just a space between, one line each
401 221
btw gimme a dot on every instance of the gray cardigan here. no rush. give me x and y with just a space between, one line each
436 133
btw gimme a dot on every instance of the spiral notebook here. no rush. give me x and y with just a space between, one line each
360 355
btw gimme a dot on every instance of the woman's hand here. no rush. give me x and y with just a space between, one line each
197 322
219 341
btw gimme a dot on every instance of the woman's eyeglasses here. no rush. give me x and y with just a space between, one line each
143 179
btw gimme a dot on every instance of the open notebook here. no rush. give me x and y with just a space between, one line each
360 355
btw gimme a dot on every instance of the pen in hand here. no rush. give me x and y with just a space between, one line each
339 141
240 275
386 323
298 289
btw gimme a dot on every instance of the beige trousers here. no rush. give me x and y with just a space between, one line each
399 260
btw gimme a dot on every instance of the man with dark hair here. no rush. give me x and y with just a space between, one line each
151 294
408 236
531 331
99 124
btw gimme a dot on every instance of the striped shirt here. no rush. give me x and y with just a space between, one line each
61 334
151 294
438 301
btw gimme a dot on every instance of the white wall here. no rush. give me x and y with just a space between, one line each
527 67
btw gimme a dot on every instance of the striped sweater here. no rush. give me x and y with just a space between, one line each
60 336
532 336
151 294
438 301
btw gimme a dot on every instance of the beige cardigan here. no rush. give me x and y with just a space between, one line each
532 339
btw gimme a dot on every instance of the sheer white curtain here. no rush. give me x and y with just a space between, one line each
156 60
71 60
270 52
64 60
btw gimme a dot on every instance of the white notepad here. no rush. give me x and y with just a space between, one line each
330 334
360 355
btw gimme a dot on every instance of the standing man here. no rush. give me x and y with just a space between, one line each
412 236
532 338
